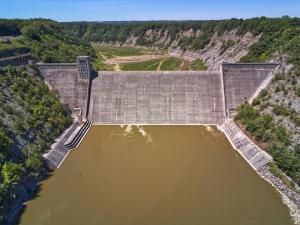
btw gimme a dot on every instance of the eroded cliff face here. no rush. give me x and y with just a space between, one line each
229 46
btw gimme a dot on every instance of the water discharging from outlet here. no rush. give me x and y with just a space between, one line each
162 175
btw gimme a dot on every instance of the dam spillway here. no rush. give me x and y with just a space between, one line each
157 98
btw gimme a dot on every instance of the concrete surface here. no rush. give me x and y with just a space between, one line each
157 98
198 97
64 78
241 82
256 157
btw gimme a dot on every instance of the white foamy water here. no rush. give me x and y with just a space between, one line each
147 136
128 129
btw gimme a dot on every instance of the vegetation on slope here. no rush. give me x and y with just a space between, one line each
171 64
275 139
274 121
111 52
198 65
32 117
11 48
271 28
281 37
142 66
274 117
164 64
46 39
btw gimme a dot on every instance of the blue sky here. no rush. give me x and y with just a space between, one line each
116 10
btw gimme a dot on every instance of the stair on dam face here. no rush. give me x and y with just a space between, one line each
74 141
55 157
251 152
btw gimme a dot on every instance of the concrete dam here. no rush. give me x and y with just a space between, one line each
157 98
204 97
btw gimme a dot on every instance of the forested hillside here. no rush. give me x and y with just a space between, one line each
32 117
44 38
251 40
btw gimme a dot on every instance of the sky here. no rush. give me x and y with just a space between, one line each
128 10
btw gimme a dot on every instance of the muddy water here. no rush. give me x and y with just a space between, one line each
155 175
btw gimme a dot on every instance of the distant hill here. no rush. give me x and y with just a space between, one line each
251 40
44 38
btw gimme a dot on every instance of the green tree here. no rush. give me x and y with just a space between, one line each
11 173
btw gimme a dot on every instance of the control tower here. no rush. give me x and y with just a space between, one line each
84 67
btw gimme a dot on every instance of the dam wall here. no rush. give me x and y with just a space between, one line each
157 98
65 80
71 81
206 97
172 97
191 97
242 82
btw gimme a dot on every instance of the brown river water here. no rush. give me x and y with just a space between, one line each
155 175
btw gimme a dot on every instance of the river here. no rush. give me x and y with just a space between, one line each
155 175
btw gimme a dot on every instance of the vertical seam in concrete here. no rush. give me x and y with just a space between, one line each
92 109
223 90
89 91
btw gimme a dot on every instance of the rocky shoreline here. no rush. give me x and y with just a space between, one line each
289 197
236 136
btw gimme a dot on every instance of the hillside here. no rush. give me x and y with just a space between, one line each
32 117
125 58
251 40
43 38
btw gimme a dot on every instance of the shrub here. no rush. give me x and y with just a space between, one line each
263 93
296 120
8 109
279 76
281 110
277 89
294 82
11 173
256 102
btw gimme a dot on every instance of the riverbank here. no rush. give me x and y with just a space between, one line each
28 187
259 160
289 197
